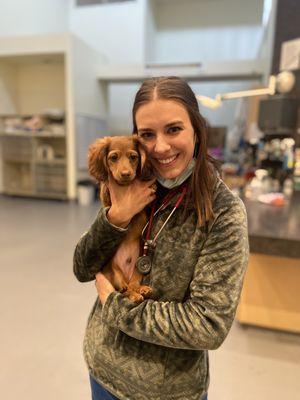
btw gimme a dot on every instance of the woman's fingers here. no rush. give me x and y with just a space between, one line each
131 199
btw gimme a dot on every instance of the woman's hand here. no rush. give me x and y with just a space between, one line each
104 287
127 201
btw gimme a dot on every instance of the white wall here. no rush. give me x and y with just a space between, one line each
40 86
206 30
8 89
150 32
30 17
121 97
116 30
210 44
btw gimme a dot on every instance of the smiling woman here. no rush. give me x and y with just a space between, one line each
166 116
195 248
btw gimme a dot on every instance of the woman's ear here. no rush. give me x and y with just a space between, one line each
97 162
145 170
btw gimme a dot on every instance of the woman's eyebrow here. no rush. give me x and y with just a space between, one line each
174 123
144 129
179 122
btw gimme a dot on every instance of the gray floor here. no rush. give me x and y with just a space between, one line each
43 313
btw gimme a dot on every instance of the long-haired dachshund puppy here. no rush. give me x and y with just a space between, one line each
123 158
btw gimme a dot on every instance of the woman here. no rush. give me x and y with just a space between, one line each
158 349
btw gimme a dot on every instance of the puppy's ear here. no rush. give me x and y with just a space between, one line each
97 162
145 171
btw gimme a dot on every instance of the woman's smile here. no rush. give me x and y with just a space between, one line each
166 162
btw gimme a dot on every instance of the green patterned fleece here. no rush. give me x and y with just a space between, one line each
158 350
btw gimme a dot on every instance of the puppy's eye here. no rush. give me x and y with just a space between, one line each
113 158
133 157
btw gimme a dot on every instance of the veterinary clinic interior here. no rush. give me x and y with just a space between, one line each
69 70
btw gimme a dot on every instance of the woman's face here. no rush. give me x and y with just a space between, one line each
167 132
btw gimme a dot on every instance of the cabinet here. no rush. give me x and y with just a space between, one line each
47 72
34 165
270 296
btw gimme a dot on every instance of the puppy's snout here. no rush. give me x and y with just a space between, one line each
125 174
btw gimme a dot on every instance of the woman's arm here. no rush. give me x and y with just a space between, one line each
96 247
204 320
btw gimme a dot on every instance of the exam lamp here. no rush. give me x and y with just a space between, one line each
283 83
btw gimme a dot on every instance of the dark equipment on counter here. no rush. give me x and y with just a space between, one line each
278 115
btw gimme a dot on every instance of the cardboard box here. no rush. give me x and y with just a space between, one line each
290 55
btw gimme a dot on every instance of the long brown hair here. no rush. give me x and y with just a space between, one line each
204 174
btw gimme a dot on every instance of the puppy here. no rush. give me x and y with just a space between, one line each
123 158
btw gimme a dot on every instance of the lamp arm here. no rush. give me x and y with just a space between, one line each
217 101
254 92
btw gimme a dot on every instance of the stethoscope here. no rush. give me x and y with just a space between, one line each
144 262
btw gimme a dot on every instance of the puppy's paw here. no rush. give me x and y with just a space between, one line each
135 297
123 288
145 291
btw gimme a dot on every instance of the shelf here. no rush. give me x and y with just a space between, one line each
218 71
12 160
33 46
37 134
51 162
48 195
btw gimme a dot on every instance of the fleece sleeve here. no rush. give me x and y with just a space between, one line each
96 247
204 319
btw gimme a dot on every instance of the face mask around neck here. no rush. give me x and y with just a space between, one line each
174 182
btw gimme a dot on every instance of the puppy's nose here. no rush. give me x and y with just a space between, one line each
125 174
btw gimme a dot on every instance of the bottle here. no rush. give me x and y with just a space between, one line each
288 159
257 185
288 187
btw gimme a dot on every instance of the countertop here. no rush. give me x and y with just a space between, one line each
274 230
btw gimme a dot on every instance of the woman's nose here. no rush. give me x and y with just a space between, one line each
161 145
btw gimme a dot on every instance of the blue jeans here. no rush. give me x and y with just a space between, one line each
99 393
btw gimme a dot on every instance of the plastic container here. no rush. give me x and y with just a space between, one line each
258 185
85 193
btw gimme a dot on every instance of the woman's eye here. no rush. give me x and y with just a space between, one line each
174 129
146 135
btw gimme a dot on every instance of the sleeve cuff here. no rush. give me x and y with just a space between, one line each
108 309
114 308
109 223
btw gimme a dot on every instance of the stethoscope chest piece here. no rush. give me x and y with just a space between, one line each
143 265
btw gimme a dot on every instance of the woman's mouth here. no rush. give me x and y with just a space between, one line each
165 162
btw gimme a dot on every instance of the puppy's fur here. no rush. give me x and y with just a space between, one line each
123 158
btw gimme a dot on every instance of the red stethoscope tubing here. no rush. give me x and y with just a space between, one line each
165 202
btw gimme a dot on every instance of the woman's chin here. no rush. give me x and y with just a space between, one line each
167 174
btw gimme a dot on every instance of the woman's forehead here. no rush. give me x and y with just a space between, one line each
161 111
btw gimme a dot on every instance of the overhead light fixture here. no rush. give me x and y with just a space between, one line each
283 82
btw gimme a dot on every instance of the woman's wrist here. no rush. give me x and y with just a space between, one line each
116 218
